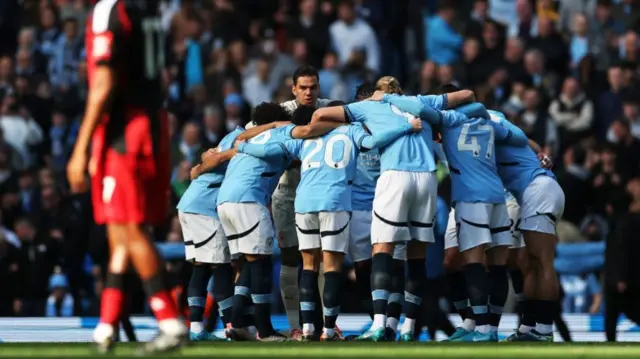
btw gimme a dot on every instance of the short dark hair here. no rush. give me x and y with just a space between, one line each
349 3
268 112
447 88
365 90
302 115
336 103
305 71
446 5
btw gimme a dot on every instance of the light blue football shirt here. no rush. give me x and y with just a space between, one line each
202 195
517 166
364 184
469 145
251 179
328 164
410 153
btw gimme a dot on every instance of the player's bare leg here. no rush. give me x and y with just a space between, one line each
497 265
289 287
309 291
148 264
333 262
414 287
544 289
261 270
197 298
112 299
381 269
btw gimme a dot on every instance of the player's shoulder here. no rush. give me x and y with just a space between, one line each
323 102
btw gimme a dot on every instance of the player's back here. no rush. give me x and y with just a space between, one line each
251 179
517 166
327 171
202 194
469 148
411 153
364 182
127 35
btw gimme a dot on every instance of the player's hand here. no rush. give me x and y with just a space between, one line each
77 171
281 124
416 124
545 161
195 172
377 96
237 143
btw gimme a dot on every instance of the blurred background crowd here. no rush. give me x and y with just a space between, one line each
565 71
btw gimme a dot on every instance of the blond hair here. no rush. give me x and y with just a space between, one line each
389 84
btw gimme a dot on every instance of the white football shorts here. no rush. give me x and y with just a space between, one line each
248 227
204 239
542 205
404 207
326 230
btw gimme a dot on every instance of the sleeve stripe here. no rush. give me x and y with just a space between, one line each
101 15
445 101
347 113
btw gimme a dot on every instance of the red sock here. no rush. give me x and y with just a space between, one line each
163 305
111 306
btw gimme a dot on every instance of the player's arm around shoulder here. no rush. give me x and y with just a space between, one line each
330 114
211 160
314 129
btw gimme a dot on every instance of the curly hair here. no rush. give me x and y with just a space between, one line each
268 112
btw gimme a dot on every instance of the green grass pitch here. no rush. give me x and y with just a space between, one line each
340 350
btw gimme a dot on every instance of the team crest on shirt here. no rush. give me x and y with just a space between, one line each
102 45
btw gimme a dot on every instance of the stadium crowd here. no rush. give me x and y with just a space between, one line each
564 71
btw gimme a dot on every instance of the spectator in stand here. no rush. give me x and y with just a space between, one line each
10 262
48 32
190 147
214 128
468 68
492 48
513 56
60 302
40 256
526 26
609 105
622 275
574 181
426 81
62 137
479 15
444 44
627 149
628 13
628 47
570 8
19 130
573 113
536 123
631 112
552 45
312 27
258 88
233 104
331 83
606 24
349 34
586 42
63 65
